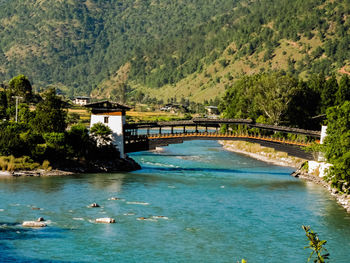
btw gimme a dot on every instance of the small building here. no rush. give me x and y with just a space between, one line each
174 108
111 114
81 100
212 110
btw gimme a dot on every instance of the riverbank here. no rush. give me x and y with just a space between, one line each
282 159
69 168
342 199
262 153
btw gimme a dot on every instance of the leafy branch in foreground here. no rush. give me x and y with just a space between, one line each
316 245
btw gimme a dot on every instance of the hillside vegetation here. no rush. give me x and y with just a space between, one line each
139 50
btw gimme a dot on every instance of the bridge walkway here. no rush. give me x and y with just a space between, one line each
134 143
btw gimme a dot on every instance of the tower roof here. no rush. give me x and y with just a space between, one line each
107 106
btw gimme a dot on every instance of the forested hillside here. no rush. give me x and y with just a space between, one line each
169 49
79 43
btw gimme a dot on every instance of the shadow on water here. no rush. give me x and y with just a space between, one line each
10 231
15 231
209 170
152 154
231 178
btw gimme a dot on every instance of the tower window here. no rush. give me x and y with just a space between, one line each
106 119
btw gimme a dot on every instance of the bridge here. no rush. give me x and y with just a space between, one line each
149 135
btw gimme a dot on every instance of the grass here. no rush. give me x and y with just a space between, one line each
140 116
10 163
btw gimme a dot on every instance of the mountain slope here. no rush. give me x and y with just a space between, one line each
171 49
79 43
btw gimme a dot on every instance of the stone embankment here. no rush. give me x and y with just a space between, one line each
118 165
342 199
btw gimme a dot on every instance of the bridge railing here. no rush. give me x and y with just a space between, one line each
228 135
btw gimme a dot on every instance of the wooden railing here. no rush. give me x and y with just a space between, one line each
227 136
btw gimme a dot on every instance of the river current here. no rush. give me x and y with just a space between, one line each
201 204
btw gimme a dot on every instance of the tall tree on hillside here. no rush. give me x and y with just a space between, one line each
328 93
50 115
343 93
305 104
20 86
274 92
238 101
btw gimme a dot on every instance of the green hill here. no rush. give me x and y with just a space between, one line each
137 50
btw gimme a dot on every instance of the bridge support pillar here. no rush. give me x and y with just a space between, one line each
184 130
172 129
160 130
196 128
148 131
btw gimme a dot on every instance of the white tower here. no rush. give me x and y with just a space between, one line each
112 115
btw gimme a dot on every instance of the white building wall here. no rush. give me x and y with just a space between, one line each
115 123
323 134
321 157
319 168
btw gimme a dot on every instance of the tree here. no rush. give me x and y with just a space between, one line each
274 93
101 133
328 93
50 115
343 92
20 86
337 145
3 105
11 142
304 105
78 141
55 145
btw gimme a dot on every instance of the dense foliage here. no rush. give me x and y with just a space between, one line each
40 134
337 145
280 98
80 43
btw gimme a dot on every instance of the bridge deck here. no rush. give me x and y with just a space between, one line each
205 122
226 136
137 143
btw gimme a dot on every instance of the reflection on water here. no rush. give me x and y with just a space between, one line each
216 207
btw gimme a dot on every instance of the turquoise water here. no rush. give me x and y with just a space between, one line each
217 206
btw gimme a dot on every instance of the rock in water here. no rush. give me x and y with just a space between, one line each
33 224
114 198
106 220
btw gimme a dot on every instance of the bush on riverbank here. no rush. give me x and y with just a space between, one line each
10 164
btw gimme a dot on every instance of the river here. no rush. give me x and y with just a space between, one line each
202 204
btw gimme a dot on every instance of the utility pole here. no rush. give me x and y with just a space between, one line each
17 99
